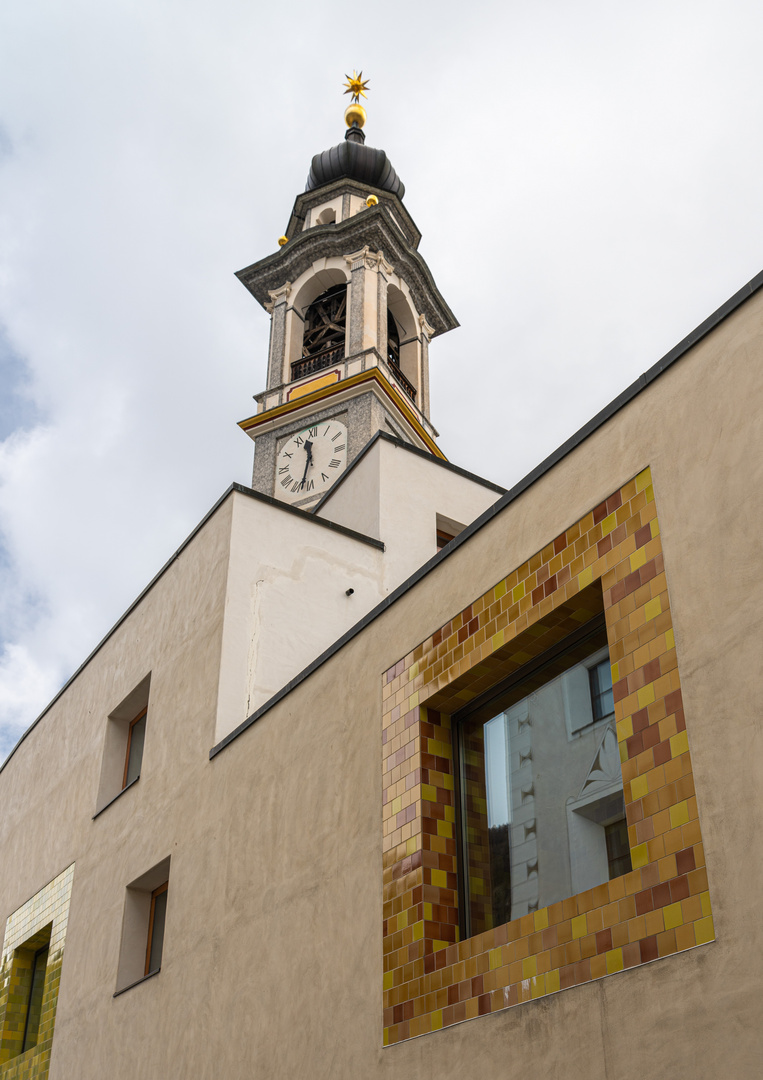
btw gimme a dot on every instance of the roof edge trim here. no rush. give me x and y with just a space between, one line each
234 488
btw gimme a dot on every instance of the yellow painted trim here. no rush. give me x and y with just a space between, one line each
345 384
302 389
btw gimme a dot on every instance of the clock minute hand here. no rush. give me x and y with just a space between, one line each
308 463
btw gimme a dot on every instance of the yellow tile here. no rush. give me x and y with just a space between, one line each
500 589
497 640
552 982
428 912
541 919
679 744
437 1020
704 930
639 856
518 592
538 986
638 558
614 961
389 977
639 787
672 916
529 967
652 609
644 479
579 926
494 958
440 879
418 932
679 814
585 578
646 695
444 828
654 526
670 640
704 899
624 729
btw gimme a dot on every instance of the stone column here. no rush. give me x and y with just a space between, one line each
426 334
369 272
277 306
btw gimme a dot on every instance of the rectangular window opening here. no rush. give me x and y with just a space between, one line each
24 1009
143 926
540 790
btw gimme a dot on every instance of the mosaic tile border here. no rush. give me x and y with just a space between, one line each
433 980
49 907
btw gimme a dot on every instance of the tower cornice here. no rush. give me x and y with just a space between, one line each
376 228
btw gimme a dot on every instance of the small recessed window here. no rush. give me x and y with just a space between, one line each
143 926
20 1029
134 756
447 530
156 920
123 745
34 1001
602 702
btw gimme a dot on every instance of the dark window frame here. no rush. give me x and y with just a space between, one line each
142 715
161 889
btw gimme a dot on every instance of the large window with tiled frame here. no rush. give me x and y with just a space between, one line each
612 558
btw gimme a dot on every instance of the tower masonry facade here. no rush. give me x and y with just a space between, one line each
353 308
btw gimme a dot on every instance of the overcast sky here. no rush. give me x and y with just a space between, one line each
586 177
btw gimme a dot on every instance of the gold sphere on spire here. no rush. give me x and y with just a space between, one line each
355 114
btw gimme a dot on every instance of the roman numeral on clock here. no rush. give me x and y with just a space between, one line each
338 448
335 463
284 469
286 481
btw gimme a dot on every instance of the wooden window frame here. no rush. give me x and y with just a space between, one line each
157 892
140 716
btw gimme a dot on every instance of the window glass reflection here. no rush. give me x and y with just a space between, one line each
542 810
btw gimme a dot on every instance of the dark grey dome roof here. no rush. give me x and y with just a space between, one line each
357 161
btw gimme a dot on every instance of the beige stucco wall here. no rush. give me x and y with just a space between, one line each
395 496
286 601
272 963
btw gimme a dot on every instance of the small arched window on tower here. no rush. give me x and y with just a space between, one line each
325 327
326 217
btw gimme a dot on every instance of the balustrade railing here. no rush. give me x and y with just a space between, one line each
409 388
309 364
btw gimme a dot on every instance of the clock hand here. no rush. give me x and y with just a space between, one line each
308 463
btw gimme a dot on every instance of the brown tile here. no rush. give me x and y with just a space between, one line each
603 941
648 948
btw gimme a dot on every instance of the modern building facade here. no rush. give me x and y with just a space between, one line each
398 774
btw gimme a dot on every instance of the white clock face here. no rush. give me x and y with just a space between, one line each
310 461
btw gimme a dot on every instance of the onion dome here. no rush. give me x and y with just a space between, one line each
353 158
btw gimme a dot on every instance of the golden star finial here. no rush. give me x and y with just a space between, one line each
356 85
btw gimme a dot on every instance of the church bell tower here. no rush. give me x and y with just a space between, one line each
353 308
